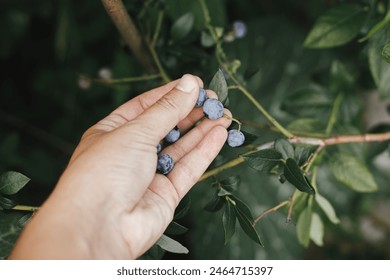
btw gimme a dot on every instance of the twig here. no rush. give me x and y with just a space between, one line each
343 139
122 80
333 114
221 168
313 157
273 209
323 142
161 69
288 220
42 135
129 32
233 87
160 18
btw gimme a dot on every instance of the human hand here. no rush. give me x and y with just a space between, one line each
110 202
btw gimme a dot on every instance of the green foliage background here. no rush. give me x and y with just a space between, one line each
46 45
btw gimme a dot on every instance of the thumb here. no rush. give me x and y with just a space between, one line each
168 111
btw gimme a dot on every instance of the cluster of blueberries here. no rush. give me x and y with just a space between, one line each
213 109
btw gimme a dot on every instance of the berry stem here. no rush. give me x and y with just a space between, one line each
273 209
234 120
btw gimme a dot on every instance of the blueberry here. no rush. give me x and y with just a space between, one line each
173 135
165 164
159 148
213 109
201 98
235 138
239 29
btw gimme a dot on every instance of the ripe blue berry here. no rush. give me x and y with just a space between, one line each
201 98
213 109
173 135
159 148
165 164
239 29
235 138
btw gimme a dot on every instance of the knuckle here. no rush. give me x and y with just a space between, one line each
169 104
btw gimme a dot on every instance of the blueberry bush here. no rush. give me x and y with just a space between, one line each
306 170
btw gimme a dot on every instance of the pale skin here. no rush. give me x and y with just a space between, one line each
110 203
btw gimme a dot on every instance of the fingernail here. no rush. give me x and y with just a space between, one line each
187 83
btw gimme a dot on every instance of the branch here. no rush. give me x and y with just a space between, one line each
121 80
320 142
273 209
129 32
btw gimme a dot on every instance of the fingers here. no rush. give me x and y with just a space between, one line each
195 116
190 167
134 107
167 112
189 141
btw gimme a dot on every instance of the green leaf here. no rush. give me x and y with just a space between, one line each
182 27
175 229
294 175
231 183
154 253
229 221
327 208
11 224
306 125
308 101
284 147
170 245
353 173
341 79
243 208
251 71
377 27
246 221
336 27
317 230
380 69
183 208
223 192
6 203
206 40
302 154
303 226
386 52
249 137
11 182
215 203
219 86
263 160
